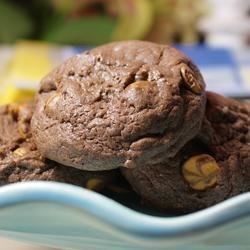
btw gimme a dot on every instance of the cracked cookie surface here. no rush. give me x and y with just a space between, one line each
120 104
21 161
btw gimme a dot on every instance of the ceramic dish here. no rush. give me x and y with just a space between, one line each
69 217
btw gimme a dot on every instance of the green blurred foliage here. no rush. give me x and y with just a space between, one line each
88 30
95 22
14 22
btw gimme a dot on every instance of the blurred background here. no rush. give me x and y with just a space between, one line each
94 22
36 35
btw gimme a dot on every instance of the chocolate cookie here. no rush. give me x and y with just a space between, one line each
21 161
120 104
210 168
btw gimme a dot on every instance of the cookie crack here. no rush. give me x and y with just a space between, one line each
160 56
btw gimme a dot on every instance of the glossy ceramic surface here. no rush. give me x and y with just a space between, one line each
69 217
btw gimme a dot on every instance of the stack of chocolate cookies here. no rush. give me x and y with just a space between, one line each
135 109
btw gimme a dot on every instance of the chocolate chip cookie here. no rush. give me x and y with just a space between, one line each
120 104
21 161
208 169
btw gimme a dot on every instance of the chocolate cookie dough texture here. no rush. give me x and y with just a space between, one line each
210 168
119 105
226 128
21 161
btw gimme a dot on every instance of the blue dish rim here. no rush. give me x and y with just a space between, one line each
131 222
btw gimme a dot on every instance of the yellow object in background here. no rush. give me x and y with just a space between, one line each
13 94
29 63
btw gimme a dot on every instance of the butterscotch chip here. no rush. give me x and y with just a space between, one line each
51 102
201 171
138 94
23 130
20 152
139 85
190 80
95 184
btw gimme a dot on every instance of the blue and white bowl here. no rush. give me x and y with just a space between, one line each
70 217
